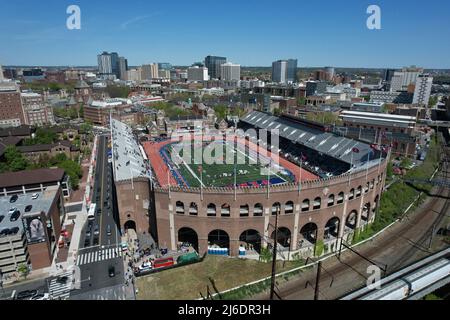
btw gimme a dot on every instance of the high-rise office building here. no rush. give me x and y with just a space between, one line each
123 68
197 73
115 64
279 71
104 63
1 73
230 71
291 70
330 73
149 71
422 91
109 64
284 71
213 64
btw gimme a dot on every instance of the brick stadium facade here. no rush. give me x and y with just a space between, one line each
347 202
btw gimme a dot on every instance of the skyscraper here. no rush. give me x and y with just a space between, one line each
230 71
422 91
123 68
109 64
213 64
149 71
284 71
104 63
1 73
279 71
291 70
330 73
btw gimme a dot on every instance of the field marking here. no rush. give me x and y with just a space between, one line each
189 169
248 156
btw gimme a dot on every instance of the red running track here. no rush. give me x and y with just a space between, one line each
160 168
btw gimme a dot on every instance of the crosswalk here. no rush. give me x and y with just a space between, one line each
99 255
60 289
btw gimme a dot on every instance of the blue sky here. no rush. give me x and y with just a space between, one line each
249 32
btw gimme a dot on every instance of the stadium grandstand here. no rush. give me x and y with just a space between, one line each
323 153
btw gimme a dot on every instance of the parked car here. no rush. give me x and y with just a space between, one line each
96 230
22 295
111 271
34 196
41 296
13 198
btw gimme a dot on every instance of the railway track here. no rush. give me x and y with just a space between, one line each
432 212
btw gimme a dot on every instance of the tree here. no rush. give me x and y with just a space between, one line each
72 168
276 112
23 270
15 161
301 101
265 255
221 111
42 136
433 101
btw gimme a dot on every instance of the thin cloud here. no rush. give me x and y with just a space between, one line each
125 24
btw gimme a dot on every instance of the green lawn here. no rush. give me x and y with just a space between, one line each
187 282
222 175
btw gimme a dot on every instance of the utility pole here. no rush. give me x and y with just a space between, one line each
316 289
274 257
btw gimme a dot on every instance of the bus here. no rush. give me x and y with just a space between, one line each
91 212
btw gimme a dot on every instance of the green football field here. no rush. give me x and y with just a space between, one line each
222 175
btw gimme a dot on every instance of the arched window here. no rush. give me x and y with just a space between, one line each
193 209
351 195
305 205
276 207
289 207
258 210
244 211
179 207
358 191
211 210
367 188
340 198
225 210
331 200
317 203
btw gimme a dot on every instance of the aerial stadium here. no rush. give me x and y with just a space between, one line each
322 186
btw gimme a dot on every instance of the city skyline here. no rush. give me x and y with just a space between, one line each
146 33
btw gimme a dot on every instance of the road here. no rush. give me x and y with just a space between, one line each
402 244
99 252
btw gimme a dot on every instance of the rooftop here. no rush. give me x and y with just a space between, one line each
28 177
127 156
41 204
323 142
